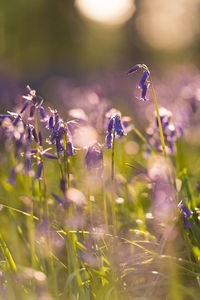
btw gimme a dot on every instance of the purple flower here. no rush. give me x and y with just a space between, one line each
110 125
57 198
186 222
58 145
109 140
39 170
143 79
185 209
49 155
34 133
25 106
5 116
118 126
70 149
134 69
51 122
144 91
29 134
94 157
40 138
16 120
32 110
42 112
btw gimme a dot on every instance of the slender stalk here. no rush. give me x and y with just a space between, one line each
158 116
113 156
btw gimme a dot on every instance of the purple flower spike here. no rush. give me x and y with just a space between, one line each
39 170
42 112
110 125
16 120
185 209
109 140
25 106
186 222
134 69
143 79
51 122
32 110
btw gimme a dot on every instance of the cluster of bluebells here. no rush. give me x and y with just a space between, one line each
170 132
23 129
143 83
114 127
186 213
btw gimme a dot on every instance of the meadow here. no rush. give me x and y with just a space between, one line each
93 206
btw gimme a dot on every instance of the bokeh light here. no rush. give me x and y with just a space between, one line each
168 24
113 12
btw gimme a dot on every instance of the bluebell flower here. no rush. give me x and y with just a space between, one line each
40 138
25 106
109 140
143 79
42 112
185 209
32 110
186 222
110 125
134 69
58 144
49 155
16 120
51 122
39 170
70 149
118 126
143 84
144 92
94 157
34 133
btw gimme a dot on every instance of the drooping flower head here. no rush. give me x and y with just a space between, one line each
143 83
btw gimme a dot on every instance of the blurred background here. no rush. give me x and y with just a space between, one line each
57 46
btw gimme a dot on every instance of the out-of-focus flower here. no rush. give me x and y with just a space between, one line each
94 157
170 131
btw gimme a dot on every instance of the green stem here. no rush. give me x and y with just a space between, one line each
158 116
112 160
